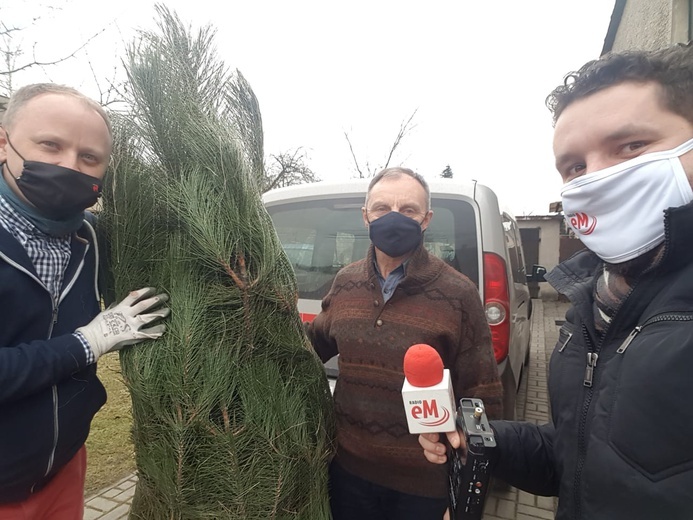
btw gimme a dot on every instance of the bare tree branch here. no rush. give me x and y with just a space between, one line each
404 129
353 156
288 169
7 31
37 63
112 93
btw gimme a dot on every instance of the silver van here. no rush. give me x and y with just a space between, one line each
321 229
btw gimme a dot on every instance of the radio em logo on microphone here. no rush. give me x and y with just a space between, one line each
429 409
427 414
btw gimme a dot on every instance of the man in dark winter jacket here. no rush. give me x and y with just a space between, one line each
621 376
55 145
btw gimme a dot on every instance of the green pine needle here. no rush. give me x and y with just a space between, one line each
231 408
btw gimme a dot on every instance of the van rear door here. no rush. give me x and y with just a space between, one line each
321 234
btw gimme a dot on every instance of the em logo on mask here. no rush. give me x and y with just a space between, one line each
582 223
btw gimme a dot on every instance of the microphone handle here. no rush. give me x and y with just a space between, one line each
468 482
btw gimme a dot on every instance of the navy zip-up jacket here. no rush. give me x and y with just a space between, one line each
620 444
48 393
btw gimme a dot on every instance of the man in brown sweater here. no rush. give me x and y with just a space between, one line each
377 308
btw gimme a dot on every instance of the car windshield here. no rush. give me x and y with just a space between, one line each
321 237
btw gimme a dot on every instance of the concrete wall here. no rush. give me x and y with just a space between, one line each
652 24
549 246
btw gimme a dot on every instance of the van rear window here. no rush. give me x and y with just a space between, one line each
321 237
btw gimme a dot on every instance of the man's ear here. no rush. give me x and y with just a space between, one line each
427 220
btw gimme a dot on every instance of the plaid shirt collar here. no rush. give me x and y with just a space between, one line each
15 223
49 255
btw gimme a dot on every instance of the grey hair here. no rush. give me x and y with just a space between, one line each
398 171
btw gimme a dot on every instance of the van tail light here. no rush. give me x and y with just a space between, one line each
497 304
307 316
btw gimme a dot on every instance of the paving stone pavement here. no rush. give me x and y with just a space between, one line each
532 406
113 503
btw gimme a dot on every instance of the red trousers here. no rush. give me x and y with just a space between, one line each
61 499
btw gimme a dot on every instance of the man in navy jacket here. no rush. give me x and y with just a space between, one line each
621 376
55 144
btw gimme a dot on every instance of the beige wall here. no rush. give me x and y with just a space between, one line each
549 246
652 24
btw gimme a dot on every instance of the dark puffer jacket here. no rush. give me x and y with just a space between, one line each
621 442
48 394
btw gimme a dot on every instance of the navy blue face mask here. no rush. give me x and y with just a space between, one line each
395 234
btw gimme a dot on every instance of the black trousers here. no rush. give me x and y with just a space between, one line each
352 498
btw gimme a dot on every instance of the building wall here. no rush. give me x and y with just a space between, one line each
549 246
652 24
3 103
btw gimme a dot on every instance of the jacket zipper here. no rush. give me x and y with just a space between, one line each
582 444
659 318
565 343
54 395
590 368
56 426
56 430
592 358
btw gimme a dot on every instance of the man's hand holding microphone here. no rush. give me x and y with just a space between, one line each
123 324
436 451
431 409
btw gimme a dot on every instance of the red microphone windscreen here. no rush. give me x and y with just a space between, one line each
423 366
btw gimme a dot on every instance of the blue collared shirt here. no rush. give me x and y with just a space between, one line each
49 255
389 284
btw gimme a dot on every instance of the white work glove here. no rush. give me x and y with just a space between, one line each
121 325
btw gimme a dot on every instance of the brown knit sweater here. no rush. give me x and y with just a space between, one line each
433 304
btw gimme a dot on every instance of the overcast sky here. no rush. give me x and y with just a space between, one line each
476 73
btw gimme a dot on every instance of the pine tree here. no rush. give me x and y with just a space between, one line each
232 411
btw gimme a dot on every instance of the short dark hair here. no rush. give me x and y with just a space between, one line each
671 68
398 171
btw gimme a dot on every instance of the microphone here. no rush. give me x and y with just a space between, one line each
430 406
427 393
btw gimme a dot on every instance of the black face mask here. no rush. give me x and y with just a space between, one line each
394 234
56 192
